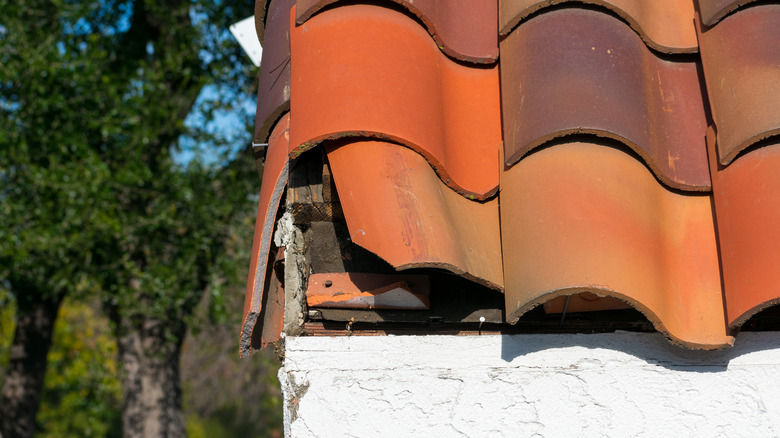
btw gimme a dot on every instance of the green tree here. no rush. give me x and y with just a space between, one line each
93 98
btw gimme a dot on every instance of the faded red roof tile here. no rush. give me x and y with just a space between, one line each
397 208
465 30
664 25
271 191
411 94
273 89
741 59
583 217
575 71
713 11
747 207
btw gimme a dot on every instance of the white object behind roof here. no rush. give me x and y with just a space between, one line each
245 33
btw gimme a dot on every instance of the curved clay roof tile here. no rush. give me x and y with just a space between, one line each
583 217
664 25
273 88
397 208
741 58
575 71
465 30
747 208
713 11
274 182
369 71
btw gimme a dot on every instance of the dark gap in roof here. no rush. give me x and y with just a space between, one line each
533 322
330 249
763 321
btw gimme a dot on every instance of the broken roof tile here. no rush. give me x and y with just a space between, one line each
273 88
357 290
664 25
412 94
397 208
713 11
271 191
574 71
463 30
740 58
584 217
747 208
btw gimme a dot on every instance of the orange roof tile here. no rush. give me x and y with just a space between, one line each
463 30
412 94
398 209
355 290
747 208
586 217
575 71
273 186
646 216
741 55
664 25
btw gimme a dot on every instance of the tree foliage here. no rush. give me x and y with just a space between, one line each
93 102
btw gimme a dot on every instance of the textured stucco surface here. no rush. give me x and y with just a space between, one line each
619 384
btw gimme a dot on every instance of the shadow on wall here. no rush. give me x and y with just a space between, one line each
652 349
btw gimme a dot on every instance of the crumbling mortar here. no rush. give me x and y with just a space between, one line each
296 274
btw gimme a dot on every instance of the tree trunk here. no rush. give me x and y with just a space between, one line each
149 356
21 393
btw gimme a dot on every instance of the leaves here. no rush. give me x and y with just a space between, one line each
94 101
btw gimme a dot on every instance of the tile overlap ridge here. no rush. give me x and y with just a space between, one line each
273 88
591 218
578 71
464 30
397 208
747 209
740 58
712 11
373 72
664 25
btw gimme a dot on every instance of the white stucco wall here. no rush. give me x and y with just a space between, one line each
620 384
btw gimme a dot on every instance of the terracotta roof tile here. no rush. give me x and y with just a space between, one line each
463 30
357 290
741 55
586 217
397 208
604 193
664 25
273 186
273 88
574 71
412 94
747 208
713 11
